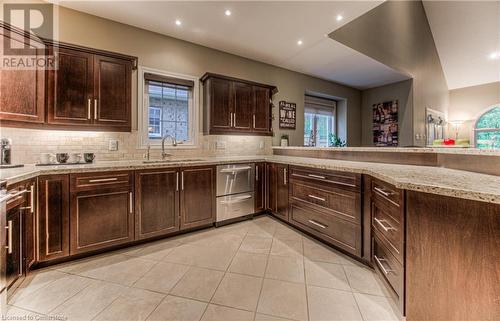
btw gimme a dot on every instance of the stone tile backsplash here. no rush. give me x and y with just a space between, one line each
28 144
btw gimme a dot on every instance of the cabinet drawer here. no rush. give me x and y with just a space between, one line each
89 181
343 203
387 193
336 231
325 179
389 228
388 266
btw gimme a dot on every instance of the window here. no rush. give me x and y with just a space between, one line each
487 129
168 108
319 121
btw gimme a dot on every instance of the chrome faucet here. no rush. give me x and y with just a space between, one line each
174 143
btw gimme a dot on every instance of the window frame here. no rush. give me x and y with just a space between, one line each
484 130
317 112
143 111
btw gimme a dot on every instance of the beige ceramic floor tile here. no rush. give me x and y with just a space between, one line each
220 313
332 305
263 317
285 233
207 257
155 251
283 299
256 244
198 283
319 252
34 281
249 264
162 277
285 268
326 275
15 313
286 248
376 308
364 280
132 305
178 309
262 229
90 301
238 291
47 298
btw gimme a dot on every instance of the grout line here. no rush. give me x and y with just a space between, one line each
264 278
305 281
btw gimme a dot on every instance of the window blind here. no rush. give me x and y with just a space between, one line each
320 106
165 80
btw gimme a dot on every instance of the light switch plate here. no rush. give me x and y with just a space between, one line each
220 145
261 145
113 145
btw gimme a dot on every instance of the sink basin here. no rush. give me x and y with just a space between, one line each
173 160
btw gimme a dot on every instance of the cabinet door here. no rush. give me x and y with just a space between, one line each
220 104
29 221
260 190
197 197
22 95
271 187
262 110
156 202
282 191
53 217
71 88
101 218
13 264
112 92
243 105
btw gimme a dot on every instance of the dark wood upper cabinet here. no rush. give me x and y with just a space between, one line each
112 91
197 197
71 88
156 202
102 212
22 98
236 106
53 217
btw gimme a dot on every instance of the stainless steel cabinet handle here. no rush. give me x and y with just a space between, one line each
230 119
130 202
317 198
9 237
381 191
182 180
256 172
95 109
379 263
237 200
32 203
385 228
253 120
235 169
88 109
98 180
177 181
234 119
285 179
316 176
317 224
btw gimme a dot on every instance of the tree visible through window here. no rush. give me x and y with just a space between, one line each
487 130
319 121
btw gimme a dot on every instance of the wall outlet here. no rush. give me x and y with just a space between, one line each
113 145
261 145
220 145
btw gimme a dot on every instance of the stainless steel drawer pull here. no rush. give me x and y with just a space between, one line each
95 109
237 200
177 181
381 191
32 203
130 202
99 180
317 198
317 224
88 109
316 176
182 180
379 263
285 178
254 121
385 228
9 237
256 172
235 169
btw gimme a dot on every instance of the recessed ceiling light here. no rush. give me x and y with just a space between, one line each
339 17
178 22
227 12
494 55
299 42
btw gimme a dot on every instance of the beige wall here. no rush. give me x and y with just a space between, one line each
397 34
173 55
467 104
401 91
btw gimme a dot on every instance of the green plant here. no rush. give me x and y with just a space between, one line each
335 141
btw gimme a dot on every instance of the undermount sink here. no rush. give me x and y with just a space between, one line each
173 160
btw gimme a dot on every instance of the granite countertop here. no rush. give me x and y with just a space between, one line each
427 150
435 180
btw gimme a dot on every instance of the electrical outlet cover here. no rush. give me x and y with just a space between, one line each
113 145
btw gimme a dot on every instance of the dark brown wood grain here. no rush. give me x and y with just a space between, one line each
243 104
156 202
197 197
452 260
262 110
53 217
277 186
260 187
219 105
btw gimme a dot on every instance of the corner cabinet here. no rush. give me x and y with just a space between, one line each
236 106
277 187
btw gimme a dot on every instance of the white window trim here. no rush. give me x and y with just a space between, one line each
142 114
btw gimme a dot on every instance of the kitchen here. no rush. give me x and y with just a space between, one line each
179 163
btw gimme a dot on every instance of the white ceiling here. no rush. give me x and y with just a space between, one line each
260 30
466 33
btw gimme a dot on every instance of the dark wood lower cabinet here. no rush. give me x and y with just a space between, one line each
260 187
156 202
102 216
53 217
29 224
197 198
277 182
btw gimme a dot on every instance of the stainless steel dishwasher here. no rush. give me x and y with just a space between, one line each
235 192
